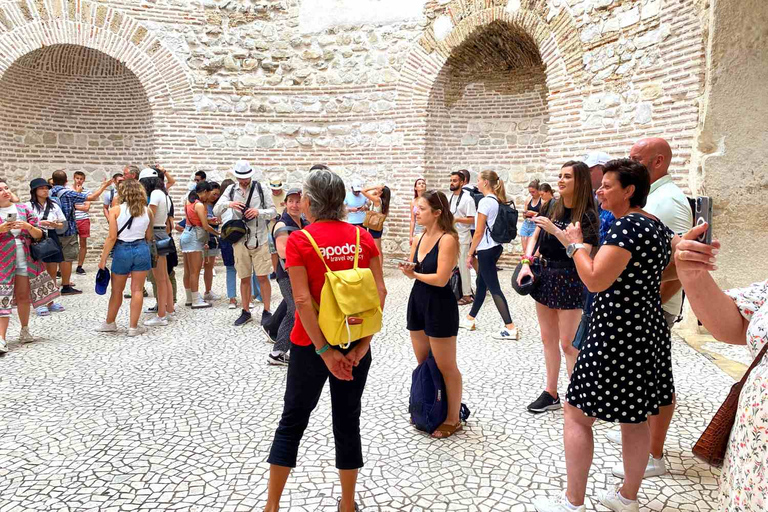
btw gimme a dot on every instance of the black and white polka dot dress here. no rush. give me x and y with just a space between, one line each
624 371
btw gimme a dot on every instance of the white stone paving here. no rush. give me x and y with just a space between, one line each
182 419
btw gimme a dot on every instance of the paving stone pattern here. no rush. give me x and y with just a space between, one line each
182 418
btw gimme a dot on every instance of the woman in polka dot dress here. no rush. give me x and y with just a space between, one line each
623 373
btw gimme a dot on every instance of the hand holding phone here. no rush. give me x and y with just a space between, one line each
704 215
405 263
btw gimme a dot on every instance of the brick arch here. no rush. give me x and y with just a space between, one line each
557 42
25 27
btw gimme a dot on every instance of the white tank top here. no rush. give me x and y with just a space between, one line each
137 230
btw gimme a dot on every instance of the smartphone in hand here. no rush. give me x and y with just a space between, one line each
406 263
704 214
11 217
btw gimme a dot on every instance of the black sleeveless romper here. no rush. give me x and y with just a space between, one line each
432 309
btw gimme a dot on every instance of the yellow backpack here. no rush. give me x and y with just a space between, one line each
349 308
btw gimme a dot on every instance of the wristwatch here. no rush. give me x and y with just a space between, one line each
571 249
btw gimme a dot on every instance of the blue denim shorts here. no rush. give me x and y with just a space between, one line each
131 257
193 239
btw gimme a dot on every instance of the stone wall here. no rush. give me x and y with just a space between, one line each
733 143
390 93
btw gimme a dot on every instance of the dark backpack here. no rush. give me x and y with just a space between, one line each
475 193
428 403
505 226
234 230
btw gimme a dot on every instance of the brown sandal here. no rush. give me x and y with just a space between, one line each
446 430
464 301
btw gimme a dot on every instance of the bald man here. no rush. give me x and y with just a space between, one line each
668 203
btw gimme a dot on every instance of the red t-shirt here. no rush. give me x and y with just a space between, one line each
336 240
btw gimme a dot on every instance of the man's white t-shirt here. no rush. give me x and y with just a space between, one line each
668 203
159 199
80 215
488 206
463 206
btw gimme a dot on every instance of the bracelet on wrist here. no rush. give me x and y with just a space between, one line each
323 350
525 261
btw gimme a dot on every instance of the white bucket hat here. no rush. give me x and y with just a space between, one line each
242 170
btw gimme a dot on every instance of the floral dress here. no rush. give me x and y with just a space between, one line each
744 481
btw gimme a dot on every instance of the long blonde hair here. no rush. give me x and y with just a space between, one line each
497 186
132 193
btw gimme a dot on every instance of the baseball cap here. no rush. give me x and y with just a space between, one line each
357 186
102 281
242 170
597 158
293 191
38 182
276 184
147 173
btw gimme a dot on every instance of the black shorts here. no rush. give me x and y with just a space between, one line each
375 234
433 310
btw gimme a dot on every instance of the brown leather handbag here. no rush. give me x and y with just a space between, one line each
713 442
374 220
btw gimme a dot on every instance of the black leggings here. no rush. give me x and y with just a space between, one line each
307 374
488 279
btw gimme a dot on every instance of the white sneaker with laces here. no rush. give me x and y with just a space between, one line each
507 334
211 296
614 436
232 305
467 324
200 303
614 501
138 331
655 467
105 327
3 346
156 321
25 336
560 504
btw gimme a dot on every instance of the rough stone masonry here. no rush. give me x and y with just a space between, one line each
388 90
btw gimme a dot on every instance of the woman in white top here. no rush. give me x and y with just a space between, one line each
50 218
130 231
159 205
488 253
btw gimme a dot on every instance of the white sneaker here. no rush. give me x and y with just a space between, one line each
25 336
560 504
3 346
469 325
138 331
655 467
156 321
211 296
105 327
611 499
232 305
200 303
614 436
507 334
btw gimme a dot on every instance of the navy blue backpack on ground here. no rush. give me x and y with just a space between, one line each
428 404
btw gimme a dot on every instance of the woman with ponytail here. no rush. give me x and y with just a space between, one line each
433 314
488 253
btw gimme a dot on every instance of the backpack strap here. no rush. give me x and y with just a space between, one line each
47 210
317 249
357 247
125 226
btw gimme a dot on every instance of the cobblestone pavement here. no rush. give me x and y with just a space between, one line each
182 418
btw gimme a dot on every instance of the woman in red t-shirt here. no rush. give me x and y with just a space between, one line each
313 360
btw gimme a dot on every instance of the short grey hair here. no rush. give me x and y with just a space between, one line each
326 193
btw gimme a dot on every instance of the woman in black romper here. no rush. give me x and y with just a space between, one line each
623 372
433 313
